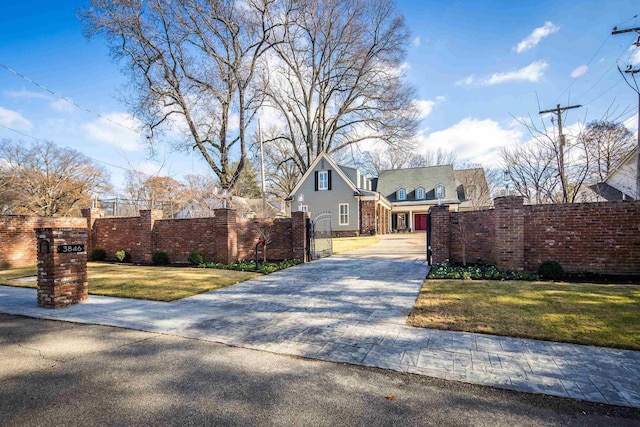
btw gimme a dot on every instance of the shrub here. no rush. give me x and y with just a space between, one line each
551 270
487 272
356 234
160 258
123 256
195 258
97 254
250 265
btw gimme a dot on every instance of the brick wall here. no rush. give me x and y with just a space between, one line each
599 238
588 237
180 237
476 230
18 241
367 216
222 238
62 277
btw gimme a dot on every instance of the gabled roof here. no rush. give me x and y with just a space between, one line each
628 159
334 167
389 181
608 192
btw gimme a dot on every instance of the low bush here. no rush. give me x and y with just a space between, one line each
551 270
195 258
247 265
447 271
97 254
123 256
160 258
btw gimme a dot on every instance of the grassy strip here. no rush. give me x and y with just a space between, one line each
345 244
143 282
264 268
590 314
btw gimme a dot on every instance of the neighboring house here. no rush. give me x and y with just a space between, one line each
396 200
619 185
344 192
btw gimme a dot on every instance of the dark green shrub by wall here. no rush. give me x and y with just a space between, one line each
123 256
195 258
97 254
160 258
550 270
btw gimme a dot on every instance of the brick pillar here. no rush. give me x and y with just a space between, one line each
509 240
299 235
91 214
62 271
145 237
440 233
226 244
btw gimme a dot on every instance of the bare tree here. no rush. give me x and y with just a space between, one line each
336 77
530 168
474 186
281 172
192 64
47 180
545 170
374 161
608 143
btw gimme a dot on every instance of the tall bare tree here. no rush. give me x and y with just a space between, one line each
335 77
374 161
46 180
192 64
608 143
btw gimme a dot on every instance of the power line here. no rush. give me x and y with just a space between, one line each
64 98
44 142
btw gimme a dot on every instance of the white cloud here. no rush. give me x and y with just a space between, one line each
424 107
634 59
531 73
579 71
26 94
13 119
536 36
467 81
107 132
416 41
61 105
474 140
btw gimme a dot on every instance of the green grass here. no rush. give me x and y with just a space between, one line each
152 283
15 273
591 314
344 244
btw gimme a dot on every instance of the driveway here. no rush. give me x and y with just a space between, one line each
352 308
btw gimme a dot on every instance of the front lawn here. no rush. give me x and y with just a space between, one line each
143 282
603 315
345 244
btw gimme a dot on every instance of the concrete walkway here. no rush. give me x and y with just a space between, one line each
352 308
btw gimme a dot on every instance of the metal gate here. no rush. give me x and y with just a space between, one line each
428 233
319 231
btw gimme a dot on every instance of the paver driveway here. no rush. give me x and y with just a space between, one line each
352 308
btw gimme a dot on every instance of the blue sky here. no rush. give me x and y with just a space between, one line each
476 66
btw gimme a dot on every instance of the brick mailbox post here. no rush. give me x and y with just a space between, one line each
62 266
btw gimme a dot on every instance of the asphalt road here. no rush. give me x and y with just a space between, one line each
58 373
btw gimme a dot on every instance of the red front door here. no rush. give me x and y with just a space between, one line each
420 222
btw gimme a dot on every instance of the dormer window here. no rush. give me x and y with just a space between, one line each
402 194
419 193
440 191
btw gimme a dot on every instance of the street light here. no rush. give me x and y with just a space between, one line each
300 200
506 178
225 193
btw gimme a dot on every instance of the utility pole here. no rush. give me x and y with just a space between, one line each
632 72
563 179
